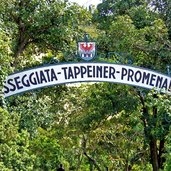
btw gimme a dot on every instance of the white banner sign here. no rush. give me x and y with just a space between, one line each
85 72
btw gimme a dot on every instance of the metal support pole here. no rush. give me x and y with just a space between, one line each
86 37
168 70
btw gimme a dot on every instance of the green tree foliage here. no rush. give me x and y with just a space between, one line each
14 145
95 126
108 10
106 117
156 116
147 47
34 112
5 59
144 31
47 150
141 40
163 8
42 25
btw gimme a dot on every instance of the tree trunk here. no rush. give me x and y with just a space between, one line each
152 140
79 162
161 159
154 155
91 166
92 161
22 41
21 45
128 166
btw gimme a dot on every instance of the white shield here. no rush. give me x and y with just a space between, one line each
87 50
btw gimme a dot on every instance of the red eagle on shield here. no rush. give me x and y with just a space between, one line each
86 50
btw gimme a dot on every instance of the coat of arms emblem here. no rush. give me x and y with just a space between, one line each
86 49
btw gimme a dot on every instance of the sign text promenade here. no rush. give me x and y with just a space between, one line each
85 72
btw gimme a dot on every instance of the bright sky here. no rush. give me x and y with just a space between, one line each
87 2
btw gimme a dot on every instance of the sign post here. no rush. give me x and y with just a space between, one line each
64 73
